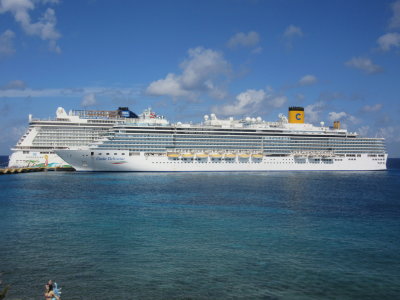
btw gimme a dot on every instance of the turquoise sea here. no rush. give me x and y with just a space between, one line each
272 235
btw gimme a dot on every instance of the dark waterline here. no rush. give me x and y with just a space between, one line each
309 235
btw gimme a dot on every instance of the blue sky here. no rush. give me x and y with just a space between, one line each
339 59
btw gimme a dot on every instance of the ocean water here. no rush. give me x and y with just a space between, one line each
277 235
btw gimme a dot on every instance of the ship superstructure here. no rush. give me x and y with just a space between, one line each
74 129
249 144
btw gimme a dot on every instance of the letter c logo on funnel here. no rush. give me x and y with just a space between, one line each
298 117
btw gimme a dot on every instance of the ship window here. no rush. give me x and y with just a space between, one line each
107 153
115 153
91 153
100 153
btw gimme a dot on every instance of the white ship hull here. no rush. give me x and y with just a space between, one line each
19 159
77 129
121 161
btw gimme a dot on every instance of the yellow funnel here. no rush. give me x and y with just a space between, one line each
296 114
336 125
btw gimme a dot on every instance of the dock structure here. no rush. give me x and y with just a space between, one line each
32 169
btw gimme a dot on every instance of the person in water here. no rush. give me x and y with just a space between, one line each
49 293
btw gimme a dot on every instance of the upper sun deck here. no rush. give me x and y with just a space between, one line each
211 123
282 125
125 118
121 116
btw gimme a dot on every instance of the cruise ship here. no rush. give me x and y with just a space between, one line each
74 129
249 144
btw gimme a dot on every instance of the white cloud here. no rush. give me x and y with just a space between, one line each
257 50
334 116
88 100
389 40
215 91
290 34
390 133
364 64
308 80
50 1
312 112
364 131
170 86
201 72
246 102
6 43
372 108
33 93
293 31
14 84
277 101
18 131
44 28
15 5
241 39
395 20
110 92
343 117
12 133
201 65
353 119
250 102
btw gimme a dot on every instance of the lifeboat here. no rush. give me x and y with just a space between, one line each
173 155
300 156
201 155
187 155
257 156
229 156
215 155
328 156
244 156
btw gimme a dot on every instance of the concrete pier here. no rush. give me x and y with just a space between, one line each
32 169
